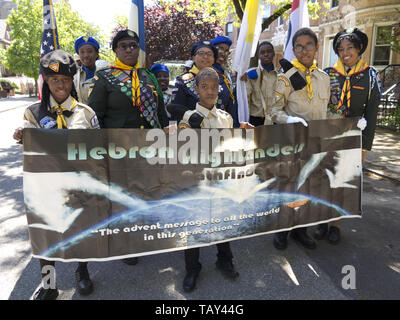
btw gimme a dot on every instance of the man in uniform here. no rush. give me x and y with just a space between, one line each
260 85
301 95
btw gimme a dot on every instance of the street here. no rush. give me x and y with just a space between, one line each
371 245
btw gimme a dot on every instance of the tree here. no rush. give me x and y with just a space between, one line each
218 10
171 32
22 56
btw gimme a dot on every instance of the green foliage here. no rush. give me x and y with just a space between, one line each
22 56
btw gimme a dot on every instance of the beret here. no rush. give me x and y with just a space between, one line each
85 40
124 35
353 35
58 62
221 39
156 68
200 44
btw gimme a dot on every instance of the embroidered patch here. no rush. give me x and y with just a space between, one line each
285 80
86 39
278 96
55 67
187 76
94 122
47 123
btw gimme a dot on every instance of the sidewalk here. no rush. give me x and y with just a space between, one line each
16 101
384 158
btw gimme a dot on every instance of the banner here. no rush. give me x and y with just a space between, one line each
113 193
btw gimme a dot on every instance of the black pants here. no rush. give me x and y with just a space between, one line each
285 233
257 121
192 256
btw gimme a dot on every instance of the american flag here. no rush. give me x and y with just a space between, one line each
49 36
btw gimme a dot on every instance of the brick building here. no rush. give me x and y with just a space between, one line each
375 18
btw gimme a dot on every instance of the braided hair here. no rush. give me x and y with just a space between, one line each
45 101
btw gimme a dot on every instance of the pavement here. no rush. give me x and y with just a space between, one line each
371 245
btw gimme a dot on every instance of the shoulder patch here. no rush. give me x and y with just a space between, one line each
195 120
94 122
187 76
252 73
277 96
285 80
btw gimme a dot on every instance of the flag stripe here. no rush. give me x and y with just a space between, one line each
53 25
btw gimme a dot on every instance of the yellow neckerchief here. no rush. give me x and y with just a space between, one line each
194 69
308 71
228 86
135 79
59 110
360 66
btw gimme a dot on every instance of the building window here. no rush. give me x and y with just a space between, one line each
229 30
382 45
334 3
266 14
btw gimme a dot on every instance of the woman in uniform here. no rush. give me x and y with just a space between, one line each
204 55
88 50
59 109
355 92
226 96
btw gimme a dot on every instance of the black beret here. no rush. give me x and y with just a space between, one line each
58 62
356 36
124 35
200 44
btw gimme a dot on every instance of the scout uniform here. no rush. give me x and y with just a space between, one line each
167 94
260 92
364 96
68 115
76 116
204 118
184 92
301 93
116 105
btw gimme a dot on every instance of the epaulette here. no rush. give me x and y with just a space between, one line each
252 73
195 120
295 78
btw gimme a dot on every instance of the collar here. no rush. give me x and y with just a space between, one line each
268 68
89 72
204 111
67 104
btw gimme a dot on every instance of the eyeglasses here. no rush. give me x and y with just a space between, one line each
205 54
308 47
131 46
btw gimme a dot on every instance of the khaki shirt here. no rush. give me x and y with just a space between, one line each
83 117
260 95
214 118
83 87
288 102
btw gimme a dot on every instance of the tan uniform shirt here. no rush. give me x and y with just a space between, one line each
83 117
214 118
83 87
288 102
260 93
